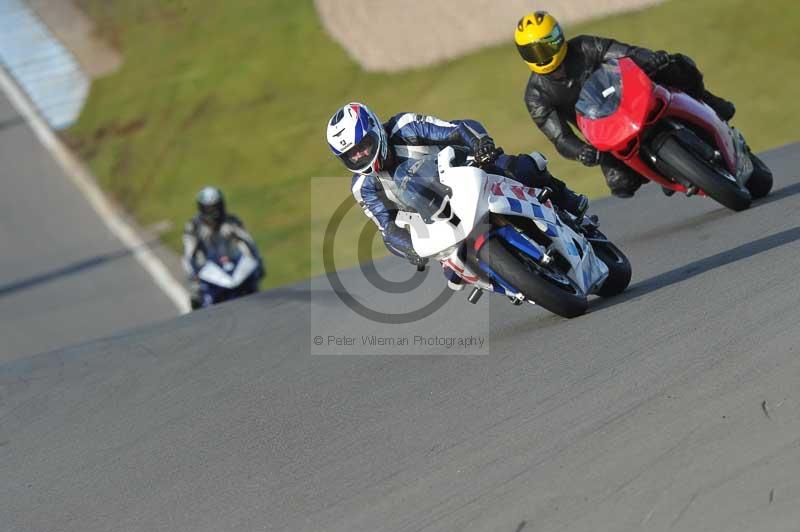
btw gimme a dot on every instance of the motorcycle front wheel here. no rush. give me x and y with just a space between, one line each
619 268
712 182
760 182
544 288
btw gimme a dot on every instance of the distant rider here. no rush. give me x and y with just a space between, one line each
560 68
211 221
370 148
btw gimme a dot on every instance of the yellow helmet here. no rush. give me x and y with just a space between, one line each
540 42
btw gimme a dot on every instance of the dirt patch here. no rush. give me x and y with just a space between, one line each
77 33
389 36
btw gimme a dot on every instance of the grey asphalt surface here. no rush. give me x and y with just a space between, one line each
64 278
675 406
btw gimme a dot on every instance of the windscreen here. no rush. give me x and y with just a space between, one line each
419 189
222 250
602 92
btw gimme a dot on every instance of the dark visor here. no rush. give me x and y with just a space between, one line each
544 50
362 154
211 212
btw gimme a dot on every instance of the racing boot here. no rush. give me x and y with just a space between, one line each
724 108
569 200
572 202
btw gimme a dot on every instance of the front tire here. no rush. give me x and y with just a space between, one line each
688 166
760 182
532 285
619 268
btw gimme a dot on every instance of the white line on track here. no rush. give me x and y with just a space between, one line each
82 179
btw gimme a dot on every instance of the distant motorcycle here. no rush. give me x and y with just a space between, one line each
230 271
504 237
668 137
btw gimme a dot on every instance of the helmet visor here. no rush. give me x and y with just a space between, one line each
211 213
542 51
362 154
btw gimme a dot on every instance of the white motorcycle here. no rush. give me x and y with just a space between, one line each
230 271
499 235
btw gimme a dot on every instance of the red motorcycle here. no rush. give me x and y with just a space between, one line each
668 137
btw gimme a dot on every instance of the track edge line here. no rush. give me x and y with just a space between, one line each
84 181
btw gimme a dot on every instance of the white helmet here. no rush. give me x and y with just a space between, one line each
356 136
211 205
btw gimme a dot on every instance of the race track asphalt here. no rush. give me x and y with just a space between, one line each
64 278
675 406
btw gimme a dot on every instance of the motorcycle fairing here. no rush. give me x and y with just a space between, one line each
213 274
613 132
644 103
474 195
509 198
432 240
729 141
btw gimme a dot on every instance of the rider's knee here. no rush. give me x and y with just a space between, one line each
531 170
622 183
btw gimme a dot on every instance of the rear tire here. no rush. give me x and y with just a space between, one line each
619 268
534 287
760 182
713 183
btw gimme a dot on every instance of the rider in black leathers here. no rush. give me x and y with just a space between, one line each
555 85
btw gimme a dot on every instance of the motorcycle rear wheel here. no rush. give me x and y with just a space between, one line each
531 283
712 182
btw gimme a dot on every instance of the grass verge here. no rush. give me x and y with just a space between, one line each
237 93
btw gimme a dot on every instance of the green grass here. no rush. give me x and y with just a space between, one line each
237 94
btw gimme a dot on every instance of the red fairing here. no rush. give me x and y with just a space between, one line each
642 104
687 109
614 132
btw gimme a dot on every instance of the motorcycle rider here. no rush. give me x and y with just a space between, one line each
370 148
210 222
561 66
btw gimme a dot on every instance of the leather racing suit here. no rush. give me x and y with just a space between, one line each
414 136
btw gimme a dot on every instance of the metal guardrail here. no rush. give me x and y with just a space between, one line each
41 65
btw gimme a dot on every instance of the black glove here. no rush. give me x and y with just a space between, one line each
658 62
486 153
589 155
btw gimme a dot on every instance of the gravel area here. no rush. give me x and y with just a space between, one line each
390 36
75 30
